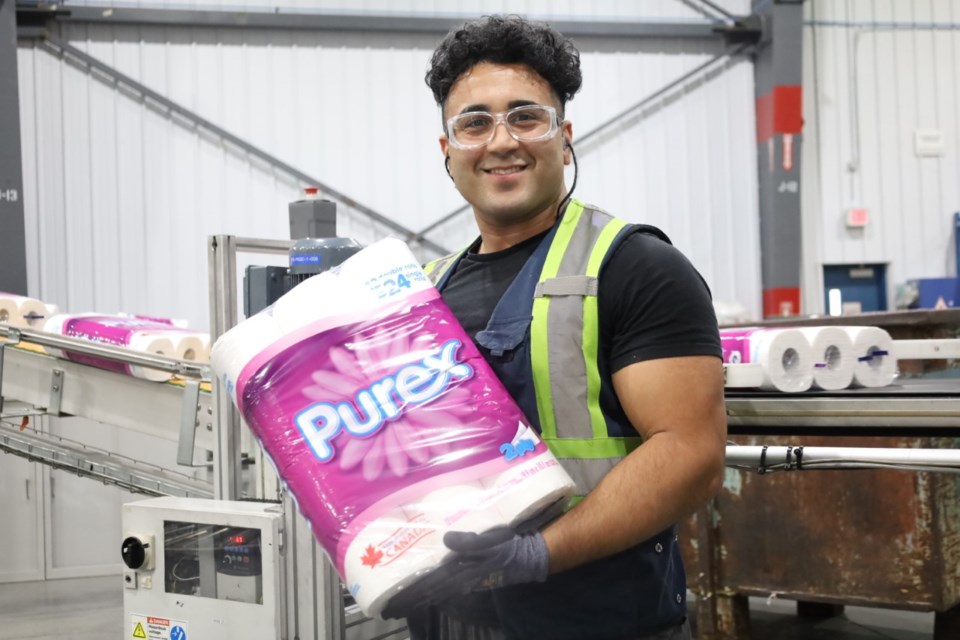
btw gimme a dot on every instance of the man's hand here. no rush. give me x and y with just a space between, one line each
490 560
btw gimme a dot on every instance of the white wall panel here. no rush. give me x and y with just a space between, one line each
121 197
871 82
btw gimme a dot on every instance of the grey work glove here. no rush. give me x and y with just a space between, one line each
490 560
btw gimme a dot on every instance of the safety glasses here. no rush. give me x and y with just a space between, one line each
529 123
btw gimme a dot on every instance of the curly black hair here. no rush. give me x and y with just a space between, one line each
506 40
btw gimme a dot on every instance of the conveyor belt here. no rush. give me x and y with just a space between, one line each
918 407
63 387
90 462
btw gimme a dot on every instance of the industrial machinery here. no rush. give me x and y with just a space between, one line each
315 248
203 569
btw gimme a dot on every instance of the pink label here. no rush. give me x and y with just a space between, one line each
110 330
737 345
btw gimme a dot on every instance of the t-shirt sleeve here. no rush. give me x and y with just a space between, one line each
653 304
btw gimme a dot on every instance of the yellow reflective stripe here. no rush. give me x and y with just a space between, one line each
591 329
539 339
589 448
443 264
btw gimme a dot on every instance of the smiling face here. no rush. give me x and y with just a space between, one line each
510 184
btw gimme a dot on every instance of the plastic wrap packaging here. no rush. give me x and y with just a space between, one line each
383 420
115 331
876 362
834 358
20 311
785 355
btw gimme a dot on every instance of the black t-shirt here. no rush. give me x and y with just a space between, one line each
651 301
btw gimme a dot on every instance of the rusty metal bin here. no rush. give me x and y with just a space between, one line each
871 537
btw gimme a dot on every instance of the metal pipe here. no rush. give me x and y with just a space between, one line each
106 351
222 260
258 245
438 23
906 26
787 457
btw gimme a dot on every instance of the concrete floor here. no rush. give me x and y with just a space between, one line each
92 609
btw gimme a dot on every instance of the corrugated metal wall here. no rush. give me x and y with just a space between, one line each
120 197
876 71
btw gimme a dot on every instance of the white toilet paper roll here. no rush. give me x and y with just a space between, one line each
462 507
786 358
833 355
50 311
234 349
407 543
19 311
316 298
152 343
205 340
386 269
388 554
876 361
528 488
187 346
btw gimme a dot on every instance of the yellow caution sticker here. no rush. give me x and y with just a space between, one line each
157 628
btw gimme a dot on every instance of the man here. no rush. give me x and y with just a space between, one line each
605 336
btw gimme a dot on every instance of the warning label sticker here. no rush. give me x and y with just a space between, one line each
156 628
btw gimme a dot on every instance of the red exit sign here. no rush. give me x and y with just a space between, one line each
857 217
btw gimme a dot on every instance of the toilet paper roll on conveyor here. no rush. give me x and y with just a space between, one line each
785 356
19 311
112 331
876 360
833 355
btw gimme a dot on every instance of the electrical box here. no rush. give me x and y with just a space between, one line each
203 569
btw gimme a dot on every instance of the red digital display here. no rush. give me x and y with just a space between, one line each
238 539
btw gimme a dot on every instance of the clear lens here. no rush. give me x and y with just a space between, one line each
527 124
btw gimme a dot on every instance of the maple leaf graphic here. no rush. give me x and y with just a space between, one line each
372 556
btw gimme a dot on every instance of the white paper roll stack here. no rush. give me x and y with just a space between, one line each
876 361
20 311
833 356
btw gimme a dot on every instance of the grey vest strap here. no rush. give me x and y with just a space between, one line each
568 371
568 286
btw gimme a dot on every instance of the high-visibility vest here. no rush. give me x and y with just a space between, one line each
548 319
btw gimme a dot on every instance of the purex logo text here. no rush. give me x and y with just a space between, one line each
384 400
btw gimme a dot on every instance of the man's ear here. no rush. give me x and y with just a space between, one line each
566 130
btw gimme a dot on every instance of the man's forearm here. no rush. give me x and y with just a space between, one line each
663 481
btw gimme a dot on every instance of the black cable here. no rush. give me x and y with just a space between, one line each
576 171
762 469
